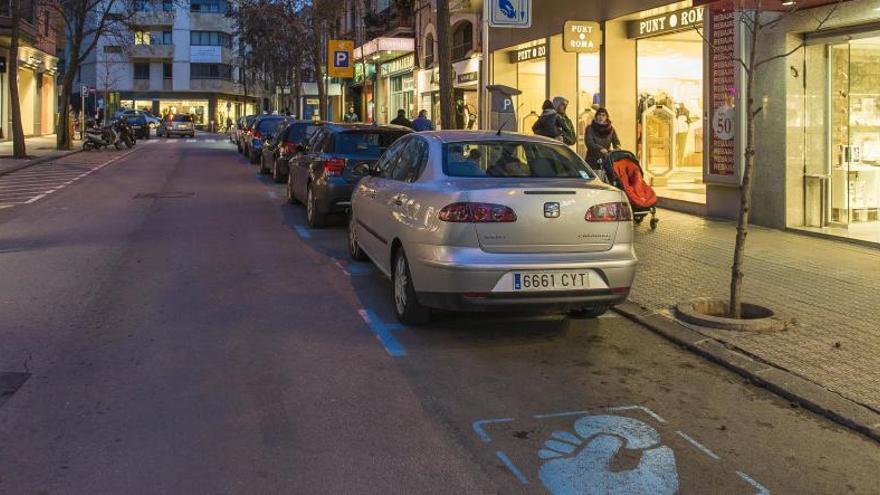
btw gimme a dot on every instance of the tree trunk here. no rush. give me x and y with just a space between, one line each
444 62
319 76
19 149
745 205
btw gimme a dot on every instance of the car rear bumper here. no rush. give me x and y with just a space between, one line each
333 197
462 277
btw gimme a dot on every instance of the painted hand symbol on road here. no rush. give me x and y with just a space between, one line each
581 464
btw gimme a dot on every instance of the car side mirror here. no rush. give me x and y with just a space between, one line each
374 171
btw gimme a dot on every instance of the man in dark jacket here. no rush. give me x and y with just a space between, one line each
566 127
422 122
402 120
548 123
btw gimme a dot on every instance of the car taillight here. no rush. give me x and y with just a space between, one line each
289 147
333 167
257 135
477 213
609 212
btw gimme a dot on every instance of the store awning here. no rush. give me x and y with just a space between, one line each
766 5
383 49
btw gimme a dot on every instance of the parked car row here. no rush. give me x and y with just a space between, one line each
459 220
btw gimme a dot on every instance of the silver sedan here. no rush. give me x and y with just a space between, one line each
473 220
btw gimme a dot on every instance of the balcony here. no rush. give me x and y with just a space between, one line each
141 85
395 21
213 85
153 19
151 52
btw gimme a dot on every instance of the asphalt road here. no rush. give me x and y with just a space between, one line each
185 333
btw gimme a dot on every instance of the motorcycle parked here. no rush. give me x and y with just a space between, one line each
125 131
97 137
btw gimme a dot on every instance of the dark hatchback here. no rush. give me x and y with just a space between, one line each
287 142
139 126
332 162
259 131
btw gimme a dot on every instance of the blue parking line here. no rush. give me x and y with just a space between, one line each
477 426
698 445
748 479
513 469
303 232
382 331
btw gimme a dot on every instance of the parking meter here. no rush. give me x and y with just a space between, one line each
503 110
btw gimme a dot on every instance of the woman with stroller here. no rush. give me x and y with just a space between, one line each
601 138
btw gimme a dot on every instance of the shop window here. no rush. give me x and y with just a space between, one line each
167 71
429 51
210 71
208 6
141 71
462 40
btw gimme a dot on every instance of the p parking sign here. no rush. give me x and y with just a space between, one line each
340 54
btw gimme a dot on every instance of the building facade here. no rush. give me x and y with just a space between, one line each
177 58
37 69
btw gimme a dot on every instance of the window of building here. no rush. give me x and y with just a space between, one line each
210 38
46 19
429 51
462 40
142 70
210 71
167 71
112 49
208 6
141 37
167 6
166 38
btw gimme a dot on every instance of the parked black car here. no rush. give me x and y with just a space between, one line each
263 127
331 163
290 140
241 129
139 125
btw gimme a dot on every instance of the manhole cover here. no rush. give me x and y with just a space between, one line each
10 382
165 195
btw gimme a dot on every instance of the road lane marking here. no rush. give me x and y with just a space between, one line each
272 194
192 140
210 140
748 479
698 445
303 232
382 331
513 469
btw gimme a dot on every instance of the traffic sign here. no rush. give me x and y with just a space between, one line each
340 55
83 89
510 13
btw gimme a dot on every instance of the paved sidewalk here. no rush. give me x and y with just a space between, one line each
831 289
39 149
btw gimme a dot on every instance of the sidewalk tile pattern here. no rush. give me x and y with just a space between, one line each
830 288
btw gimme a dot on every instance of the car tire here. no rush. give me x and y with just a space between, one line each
593 312
315 217
276 174
252 157
407 307
263 169
354 248
291 198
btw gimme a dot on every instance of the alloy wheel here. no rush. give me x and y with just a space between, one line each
310 205
400 281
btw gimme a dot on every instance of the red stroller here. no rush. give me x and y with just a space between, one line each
624 172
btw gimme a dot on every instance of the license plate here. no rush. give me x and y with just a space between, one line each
550 280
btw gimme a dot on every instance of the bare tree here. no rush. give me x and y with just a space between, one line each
18 144
756 19
444 60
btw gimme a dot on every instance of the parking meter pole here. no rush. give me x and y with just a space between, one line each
82 116
484 69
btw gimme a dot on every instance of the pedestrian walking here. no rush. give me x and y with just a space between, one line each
568 135
422 122
401 119
548 123
601 138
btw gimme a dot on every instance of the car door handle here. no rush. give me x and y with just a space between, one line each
397 199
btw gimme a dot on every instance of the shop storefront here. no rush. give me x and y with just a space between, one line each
841 187
669 55
396 77
36 91
466 79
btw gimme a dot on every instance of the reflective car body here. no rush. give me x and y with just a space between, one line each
286 143
475 230
179 125
139 125
261 128
335 158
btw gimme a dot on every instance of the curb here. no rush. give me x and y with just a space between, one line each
37 161
805 393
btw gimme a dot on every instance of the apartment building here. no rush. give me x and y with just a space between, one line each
176 58
37 69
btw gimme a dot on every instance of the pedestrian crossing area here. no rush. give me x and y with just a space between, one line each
154 140
38 181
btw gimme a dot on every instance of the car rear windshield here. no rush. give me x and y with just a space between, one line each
365 142
182 118
512 159
299 133
136 119
266 126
